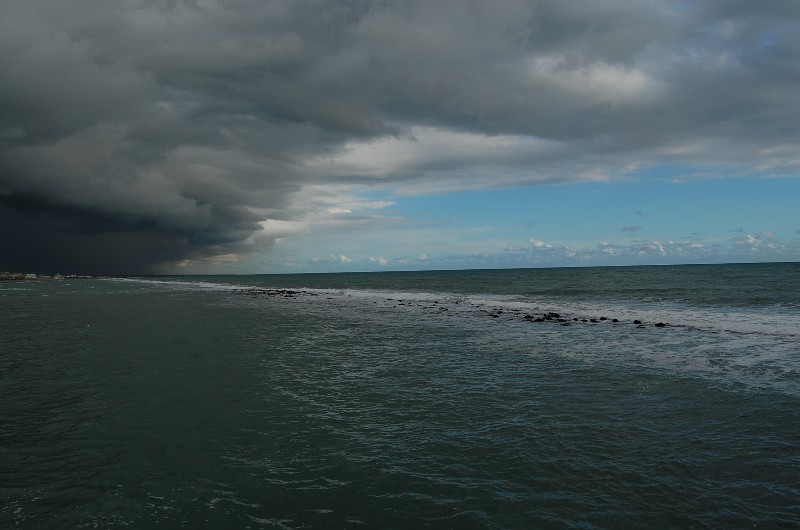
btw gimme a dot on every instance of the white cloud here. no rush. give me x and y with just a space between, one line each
747 240
275 229
514 248
606 248
658 247
474 160
536 243
383 262
601 81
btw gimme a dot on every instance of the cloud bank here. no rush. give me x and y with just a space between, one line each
146 135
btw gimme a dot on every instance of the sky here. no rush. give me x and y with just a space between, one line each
244 136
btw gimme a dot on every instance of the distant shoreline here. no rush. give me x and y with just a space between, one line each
23 276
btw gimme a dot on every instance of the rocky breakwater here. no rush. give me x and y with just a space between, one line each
553 317
455 308
280 293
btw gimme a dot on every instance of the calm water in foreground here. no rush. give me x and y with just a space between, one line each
397 400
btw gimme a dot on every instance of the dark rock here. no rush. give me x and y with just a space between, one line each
660 325
615 320
637 322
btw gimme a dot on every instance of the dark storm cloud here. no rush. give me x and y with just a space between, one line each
134 134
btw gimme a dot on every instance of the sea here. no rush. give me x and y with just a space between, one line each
614 397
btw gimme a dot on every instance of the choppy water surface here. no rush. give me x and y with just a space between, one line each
399 399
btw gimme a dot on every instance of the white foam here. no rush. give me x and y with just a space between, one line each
184 284
768 321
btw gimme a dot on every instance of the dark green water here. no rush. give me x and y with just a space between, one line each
422 399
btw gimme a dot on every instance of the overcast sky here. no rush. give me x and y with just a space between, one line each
281 136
